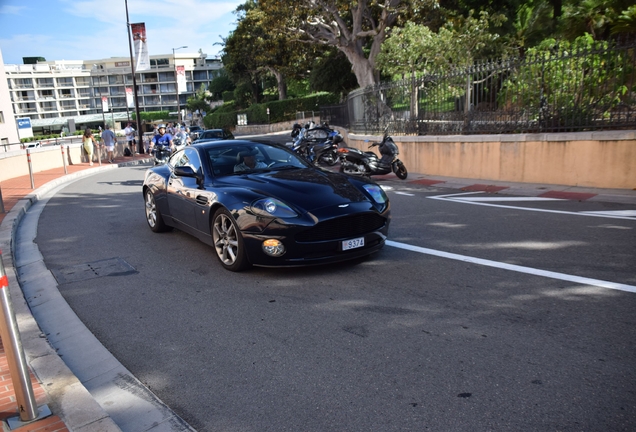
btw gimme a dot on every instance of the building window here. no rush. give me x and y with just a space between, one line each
1 117
159 62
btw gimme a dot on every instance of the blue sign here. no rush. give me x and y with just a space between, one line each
24 123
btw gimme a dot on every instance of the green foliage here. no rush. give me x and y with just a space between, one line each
332 73
228 96
562 82
626 21
415 50
199 101
284 110
221 84
150 116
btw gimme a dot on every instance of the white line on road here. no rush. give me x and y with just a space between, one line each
516 268
460 198
628 213
501 199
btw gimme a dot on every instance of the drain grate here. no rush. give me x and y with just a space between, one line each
92 270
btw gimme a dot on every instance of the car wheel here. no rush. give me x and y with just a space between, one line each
228 241
153 217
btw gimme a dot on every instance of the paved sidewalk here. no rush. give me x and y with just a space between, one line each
76 418
63 417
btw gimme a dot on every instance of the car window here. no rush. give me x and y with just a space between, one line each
212 134
224 158
186 157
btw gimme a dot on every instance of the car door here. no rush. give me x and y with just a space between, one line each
182 191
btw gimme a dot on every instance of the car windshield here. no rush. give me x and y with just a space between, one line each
211 134
252 157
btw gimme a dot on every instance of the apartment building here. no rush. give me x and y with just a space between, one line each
51 93
8 127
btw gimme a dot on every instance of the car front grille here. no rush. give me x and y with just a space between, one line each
341 228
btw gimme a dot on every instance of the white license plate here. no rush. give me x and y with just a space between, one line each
353 243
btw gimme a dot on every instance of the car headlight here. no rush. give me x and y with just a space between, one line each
273 207
376 193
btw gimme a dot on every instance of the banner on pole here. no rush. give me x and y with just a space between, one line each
181 80
130 101
104 103
142 60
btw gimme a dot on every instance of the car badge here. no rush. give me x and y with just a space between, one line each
343 205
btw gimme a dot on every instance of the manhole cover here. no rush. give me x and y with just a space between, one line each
92 270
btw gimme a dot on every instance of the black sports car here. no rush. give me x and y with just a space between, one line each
261 204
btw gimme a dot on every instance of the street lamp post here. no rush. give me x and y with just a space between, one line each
140 142
176 78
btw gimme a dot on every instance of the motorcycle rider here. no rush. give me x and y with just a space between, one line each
162 138
183 136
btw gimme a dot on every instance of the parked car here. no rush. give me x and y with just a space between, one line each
194 132
282 212
213 135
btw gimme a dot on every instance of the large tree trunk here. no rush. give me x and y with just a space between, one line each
361 67
282 83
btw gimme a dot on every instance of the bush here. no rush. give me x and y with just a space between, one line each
279 111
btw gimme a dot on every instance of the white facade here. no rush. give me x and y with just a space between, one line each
8 127
52 92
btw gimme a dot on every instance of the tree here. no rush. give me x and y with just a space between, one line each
357 27
332 73
220 84
199 101
416 50
259 36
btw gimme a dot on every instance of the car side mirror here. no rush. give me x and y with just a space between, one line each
187 171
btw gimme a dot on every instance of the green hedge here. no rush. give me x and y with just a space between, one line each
150 116
279 111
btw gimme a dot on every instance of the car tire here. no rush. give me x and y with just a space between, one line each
153 217
228 242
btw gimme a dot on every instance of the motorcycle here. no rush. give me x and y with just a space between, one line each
179 143
367 163
161 154
319 145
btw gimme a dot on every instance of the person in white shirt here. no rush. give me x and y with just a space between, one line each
130 137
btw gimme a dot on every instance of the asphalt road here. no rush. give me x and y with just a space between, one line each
406 340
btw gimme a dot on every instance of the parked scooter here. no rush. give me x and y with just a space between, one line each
367 163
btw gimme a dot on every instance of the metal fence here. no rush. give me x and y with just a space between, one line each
574 90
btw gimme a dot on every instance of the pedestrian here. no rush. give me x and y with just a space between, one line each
109 139
130 137
89 140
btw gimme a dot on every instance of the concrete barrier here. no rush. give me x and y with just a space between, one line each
14 163
588 159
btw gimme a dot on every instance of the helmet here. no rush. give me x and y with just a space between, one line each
161 126
337 138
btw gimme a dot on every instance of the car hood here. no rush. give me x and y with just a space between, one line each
310 188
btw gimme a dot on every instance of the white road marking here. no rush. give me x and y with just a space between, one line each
497 199
628 213
461 198
404 193
516 268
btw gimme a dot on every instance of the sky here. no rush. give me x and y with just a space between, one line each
96 29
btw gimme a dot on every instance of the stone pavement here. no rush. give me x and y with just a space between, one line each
71 405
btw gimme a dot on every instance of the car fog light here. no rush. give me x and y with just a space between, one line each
273 247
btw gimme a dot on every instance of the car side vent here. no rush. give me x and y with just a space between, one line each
341 228
202 200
